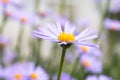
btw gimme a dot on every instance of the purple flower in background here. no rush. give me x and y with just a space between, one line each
64 76
91 64
101 77
82 49
36 73
20 15
15 72
112 24
17 3
66 35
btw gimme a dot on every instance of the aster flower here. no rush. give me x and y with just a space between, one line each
17 3
36 73
64 76
21 15
91 64
92 51
66 35
101 77
112 24
15 72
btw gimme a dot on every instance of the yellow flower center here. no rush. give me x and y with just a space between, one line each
33 76
17 77
84 48
86 64
4 1
65 37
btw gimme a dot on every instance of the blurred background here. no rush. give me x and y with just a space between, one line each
18 18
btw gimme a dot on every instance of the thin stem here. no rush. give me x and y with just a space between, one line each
61 63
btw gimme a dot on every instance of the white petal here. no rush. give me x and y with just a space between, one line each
59 28
86 34
66 27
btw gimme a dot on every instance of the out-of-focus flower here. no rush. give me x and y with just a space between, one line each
36 73
91 64
112 24
8 57
15 72
101 77
64 76
3 42
20 15
115 6
17 3
92 51
66 35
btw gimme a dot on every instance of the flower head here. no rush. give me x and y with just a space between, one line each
92 51
64 35
91 64
17 3
21 15
36 73
15 72
112 24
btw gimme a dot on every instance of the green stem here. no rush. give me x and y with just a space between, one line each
61 63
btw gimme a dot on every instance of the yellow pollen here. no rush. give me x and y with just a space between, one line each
86 64
65 37
17 76
33 76
4 1
23 19
84 48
